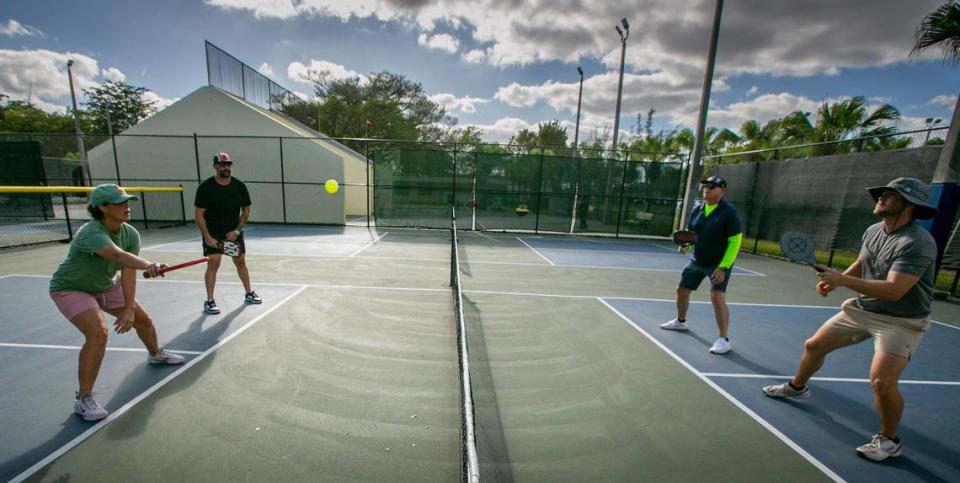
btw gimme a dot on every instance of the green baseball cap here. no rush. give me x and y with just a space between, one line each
109 193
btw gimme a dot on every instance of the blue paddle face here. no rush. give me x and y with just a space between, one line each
799 247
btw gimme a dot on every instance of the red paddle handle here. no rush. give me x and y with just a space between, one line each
178 266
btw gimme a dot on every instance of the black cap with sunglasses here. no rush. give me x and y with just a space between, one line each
714 182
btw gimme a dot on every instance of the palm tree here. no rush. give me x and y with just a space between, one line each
941 27
840 120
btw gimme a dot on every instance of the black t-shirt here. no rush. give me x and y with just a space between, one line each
713 232
223 204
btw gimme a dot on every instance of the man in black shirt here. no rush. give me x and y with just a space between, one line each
719 235
222 209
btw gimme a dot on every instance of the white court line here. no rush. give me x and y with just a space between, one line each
535 251
369 244
830 379
647 299
489 292
789 442
72 347
126 407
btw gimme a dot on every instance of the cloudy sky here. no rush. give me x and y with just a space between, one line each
502 65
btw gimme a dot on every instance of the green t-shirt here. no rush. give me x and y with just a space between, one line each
85 271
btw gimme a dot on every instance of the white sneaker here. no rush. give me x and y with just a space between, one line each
880 448
721 346
164 357
89 409
674 324
786 390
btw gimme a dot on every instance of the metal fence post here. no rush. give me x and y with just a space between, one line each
183 206
536 226
283 184
196 155
66 214
116 159
143 204
623 184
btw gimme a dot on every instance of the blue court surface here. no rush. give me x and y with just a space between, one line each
291 241
39 348
767 344
611 254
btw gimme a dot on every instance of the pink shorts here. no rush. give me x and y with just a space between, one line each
72 304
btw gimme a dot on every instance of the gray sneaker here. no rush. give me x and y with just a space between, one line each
164 357
786 390
674 324
880 448
89 409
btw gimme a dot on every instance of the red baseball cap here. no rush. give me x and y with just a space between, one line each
222 158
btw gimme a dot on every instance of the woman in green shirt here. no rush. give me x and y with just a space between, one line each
85 282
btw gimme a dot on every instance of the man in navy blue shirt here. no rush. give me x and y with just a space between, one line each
719 235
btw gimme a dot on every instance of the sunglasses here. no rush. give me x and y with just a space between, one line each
225 164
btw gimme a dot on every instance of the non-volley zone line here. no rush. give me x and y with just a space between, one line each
133 402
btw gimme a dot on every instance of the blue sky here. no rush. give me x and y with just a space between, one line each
500 64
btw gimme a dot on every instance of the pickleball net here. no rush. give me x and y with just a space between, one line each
470 466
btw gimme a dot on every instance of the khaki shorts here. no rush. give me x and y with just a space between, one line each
894 335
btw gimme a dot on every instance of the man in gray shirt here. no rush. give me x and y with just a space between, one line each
893 278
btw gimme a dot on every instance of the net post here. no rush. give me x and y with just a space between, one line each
830 260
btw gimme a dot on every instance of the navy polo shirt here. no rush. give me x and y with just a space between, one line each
713 232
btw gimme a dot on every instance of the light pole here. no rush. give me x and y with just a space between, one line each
76 115
576 151
576 131
624 34
931 122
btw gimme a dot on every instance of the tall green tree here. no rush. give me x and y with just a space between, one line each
940 28
396 108
125 104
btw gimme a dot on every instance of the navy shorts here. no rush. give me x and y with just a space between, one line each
209 250
693 274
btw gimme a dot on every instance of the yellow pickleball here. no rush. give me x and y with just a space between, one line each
331 186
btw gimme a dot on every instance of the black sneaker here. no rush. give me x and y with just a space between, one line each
252 298
210 307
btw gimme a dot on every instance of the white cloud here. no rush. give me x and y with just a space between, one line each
299 72
265 69
763 108
881 99
113 74
753 90
948 100
756 36
444 42
503 129
475 56
43 73
17 29
450 102
161 102
669 95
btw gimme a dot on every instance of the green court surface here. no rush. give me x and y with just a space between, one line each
352 374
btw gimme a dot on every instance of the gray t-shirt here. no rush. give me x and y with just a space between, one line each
910 250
